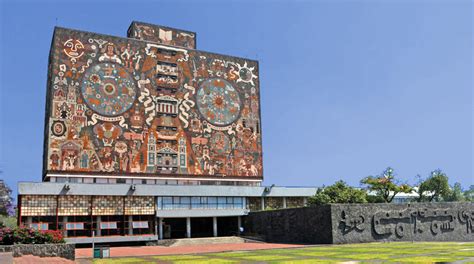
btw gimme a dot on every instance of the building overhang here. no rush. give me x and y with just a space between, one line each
48 188
201 213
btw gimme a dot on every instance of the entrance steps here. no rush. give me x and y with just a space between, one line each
200 241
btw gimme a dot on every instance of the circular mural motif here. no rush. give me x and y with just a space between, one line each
218 102
58 128
245 74
108 89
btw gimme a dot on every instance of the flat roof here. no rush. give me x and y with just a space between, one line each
49 188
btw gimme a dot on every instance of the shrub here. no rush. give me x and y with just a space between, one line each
24 235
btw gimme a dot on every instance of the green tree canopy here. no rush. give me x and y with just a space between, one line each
435 187
469 194
339 192
455 194
385 185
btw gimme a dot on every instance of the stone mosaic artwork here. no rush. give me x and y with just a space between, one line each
162 35
126 106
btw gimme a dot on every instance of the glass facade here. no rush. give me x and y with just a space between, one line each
200 202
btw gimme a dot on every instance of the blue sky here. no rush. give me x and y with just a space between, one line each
348 87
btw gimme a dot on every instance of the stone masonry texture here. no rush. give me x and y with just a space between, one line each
359 223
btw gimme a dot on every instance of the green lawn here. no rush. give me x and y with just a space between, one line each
401 252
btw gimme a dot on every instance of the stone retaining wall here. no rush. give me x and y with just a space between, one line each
402 222
297 225
66 251
356 223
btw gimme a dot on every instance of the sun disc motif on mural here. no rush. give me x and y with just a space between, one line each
218 102
108 89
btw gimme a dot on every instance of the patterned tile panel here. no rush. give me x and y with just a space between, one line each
74 205
107 205
38 205
139 205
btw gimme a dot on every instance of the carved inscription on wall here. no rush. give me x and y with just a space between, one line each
397 224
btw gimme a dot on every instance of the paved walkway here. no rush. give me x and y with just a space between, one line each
29 259
160 250
6 257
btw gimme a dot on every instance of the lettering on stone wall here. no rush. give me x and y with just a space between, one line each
467 218
349 223
401 223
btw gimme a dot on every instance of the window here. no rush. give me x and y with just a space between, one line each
61 179
198 202
39 226
185 200
75 180
150 181
140 224
135 181
74 226
108 225
167 200
101 180
88 180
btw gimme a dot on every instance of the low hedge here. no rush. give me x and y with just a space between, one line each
24 235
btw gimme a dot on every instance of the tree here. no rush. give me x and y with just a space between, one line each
6 200
455 194
434 187
385 185
339 192
469 194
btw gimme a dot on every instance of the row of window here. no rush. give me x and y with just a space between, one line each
150 181
80 226
198 202
84 226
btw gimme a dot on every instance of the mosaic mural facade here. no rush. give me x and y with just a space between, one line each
125 106
162 35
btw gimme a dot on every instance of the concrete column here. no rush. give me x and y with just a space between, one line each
284 202
239 224
98 220
64 226
188 227
214 226
305 201
130 225
160 228
263 204
29 220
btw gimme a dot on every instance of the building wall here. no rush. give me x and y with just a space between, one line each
360 223
296 225
402 222
122 106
